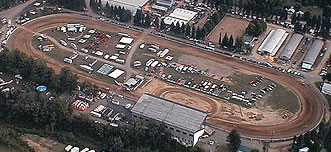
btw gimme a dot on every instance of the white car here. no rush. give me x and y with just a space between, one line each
128 106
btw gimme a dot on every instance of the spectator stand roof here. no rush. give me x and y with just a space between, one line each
312 54
169 112
115 74
291 46
272 43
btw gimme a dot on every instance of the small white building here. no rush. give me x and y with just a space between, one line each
126 40
326 88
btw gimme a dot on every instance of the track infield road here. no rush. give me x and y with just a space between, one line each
309 116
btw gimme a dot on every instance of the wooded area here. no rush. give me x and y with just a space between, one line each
33 112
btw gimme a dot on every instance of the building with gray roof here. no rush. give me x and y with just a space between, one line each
291 46
312 54
184 123
273 42
132 5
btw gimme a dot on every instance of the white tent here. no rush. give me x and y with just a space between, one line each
115 74
126 40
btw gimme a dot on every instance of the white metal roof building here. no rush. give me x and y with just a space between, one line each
169 20
273 42
132 5
115 74
180 15
326 88
312 54
291 46
184 123
126 40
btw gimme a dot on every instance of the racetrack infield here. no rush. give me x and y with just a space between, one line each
310 113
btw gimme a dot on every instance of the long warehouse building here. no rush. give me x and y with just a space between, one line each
312 54
184 123
132 5
273 42
291 46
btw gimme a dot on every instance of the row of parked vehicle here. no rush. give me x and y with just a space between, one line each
268 65
204 86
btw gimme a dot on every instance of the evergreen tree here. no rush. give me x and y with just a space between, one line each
239 43
188 30
225 40
220 39
162 25
230 42
193 32
147 21
234 140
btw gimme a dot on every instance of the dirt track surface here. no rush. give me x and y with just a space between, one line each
230 25
310 113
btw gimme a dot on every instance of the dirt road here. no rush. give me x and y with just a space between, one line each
310 113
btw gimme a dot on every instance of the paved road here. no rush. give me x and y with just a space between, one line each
13 13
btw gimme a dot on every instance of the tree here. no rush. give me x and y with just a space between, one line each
326 77
162 25
327 11
234 140
239 43
147 21
188 30
225 40
256 27
230 42
220 39
67 80
193 32
255 150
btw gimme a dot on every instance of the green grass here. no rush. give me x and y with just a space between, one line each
279 98
283 98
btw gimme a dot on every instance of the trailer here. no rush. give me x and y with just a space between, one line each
86 68
67 60
95 114
154 63
149 62
164 53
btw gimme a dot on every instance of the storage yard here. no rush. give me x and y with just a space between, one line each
247 118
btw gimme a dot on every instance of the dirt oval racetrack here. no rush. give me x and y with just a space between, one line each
308 117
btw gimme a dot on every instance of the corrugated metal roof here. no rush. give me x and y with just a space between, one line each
273 41
169 112
131 5
291 46
313 51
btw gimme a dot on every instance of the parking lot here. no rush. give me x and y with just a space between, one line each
107 108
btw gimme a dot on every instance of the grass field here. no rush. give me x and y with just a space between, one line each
282 98
279 98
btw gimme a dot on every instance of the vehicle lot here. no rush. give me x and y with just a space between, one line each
113 108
